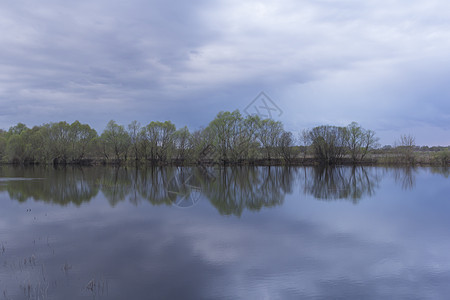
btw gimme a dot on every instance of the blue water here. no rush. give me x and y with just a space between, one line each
224 233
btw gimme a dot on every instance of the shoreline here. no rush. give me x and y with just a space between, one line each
389 161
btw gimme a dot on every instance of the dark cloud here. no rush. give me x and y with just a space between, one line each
147 60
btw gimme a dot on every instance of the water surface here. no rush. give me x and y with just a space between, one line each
224 233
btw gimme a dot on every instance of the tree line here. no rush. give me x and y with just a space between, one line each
228 139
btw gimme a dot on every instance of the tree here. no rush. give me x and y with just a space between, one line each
305 138
269 134
405 148
25 146
81 138
328 143
3 143
36 147
115 141
17 129
59 141
359 141
225 130
182 145
201 142
15 149
158 140
249 145
286 146
370 141
134 131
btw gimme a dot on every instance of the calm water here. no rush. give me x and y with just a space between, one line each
233 233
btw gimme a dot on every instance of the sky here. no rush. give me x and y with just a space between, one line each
383 64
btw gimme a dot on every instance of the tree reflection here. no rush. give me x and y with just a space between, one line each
152 185
60 185
187 185
115 184
444 171
231 190
331 183
406 176
240 188
136 185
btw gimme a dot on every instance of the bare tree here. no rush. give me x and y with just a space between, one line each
134 130
359 141
329 143
286 146
305 139
405 148
269 135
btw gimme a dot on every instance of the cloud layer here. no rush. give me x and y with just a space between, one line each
383 65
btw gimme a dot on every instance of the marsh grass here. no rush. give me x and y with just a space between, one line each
98 287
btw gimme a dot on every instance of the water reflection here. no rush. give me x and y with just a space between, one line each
444 171
230 190
350 183
406 177
236 189
60 185
395 246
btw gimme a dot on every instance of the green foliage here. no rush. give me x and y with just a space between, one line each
238 139
81 137
17 130
229 138
182 145
3 143
158 138
225 130
115 142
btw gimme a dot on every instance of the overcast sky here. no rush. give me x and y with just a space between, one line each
383 64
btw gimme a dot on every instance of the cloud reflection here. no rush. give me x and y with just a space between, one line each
294 251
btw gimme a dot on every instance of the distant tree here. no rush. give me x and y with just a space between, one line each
37 147
225 130
115 141
181 141
134 131
269 134
59 141
202 148
405 148
17 129
359 141
81 138
158 140
305 139
249 145
328 143
3 144
15 149
25 145
286 146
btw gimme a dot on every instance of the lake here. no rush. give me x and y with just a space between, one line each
224 233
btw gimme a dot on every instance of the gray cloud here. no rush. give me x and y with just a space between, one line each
378 64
